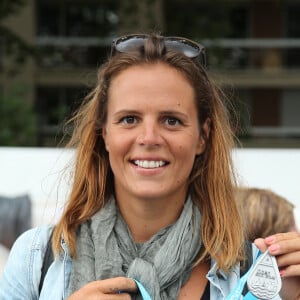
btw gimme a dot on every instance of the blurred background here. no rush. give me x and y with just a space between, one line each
50 50
49 54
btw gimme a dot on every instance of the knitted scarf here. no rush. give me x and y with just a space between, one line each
105 249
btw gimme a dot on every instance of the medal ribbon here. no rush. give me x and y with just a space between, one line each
143 291
238 289
234 295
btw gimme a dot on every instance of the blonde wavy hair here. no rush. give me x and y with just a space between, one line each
212 176
264 212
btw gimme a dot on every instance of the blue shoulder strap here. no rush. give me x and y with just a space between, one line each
238 289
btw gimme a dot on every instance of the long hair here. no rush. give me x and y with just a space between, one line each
211 178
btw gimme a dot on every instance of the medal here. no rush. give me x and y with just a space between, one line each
264 281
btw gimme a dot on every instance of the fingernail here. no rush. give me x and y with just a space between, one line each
274 248
270 239
281 273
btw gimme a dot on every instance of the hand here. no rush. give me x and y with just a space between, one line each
117 288
286 248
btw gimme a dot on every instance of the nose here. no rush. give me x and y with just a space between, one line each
150 134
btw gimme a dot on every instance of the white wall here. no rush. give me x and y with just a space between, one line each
40 172
277 169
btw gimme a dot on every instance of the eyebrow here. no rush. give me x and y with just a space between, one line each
173 112
137 112
126 112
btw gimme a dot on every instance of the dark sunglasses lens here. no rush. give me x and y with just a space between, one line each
129 44
181 45
188 49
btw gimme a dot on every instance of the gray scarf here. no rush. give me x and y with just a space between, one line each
106 249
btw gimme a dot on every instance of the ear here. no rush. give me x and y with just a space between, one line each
203 137
105 139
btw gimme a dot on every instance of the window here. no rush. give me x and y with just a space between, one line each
54 105
75 34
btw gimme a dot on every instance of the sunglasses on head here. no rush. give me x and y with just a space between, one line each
182 45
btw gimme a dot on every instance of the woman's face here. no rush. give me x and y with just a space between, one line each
152 132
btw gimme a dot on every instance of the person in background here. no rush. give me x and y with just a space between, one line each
152 205
264 212
15 218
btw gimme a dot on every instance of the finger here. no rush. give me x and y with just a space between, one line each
283 243
292 238
116 285
95 296
289 259
283 237
109 289
260 244
123 296
291 271
88 292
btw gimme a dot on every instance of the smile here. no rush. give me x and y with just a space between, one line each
149 164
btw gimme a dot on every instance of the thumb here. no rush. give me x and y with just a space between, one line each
260 244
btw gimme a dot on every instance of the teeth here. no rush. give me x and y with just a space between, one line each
149 164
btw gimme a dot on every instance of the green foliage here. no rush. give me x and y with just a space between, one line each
9 7
17 120
15 49
13 46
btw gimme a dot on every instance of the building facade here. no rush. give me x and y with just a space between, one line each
253 52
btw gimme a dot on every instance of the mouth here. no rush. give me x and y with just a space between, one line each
149 164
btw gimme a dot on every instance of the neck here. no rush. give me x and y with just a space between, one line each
146 217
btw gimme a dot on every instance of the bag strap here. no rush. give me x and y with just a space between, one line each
246 265
48 259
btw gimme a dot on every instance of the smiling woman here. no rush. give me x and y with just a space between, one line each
151 133
152 210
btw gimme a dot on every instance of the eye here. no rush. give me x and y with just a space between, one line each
172 121
128 120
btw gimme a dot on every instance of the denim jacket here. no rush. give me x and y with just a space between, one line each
21 276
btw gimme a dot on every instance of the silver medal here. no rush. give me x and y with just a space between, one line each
264 281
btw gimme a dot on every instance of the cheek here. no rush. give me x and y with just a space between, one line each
186 152
112 140
117 146
185 162
190 146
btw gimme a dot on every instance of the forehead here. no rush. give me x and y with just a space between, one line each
155 86
150 74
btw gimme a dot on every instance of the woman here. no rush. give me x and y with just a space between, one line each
152 201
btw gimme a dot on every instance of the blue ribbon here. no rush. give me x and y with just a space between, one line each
249 296
143 291
238 289
234 295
